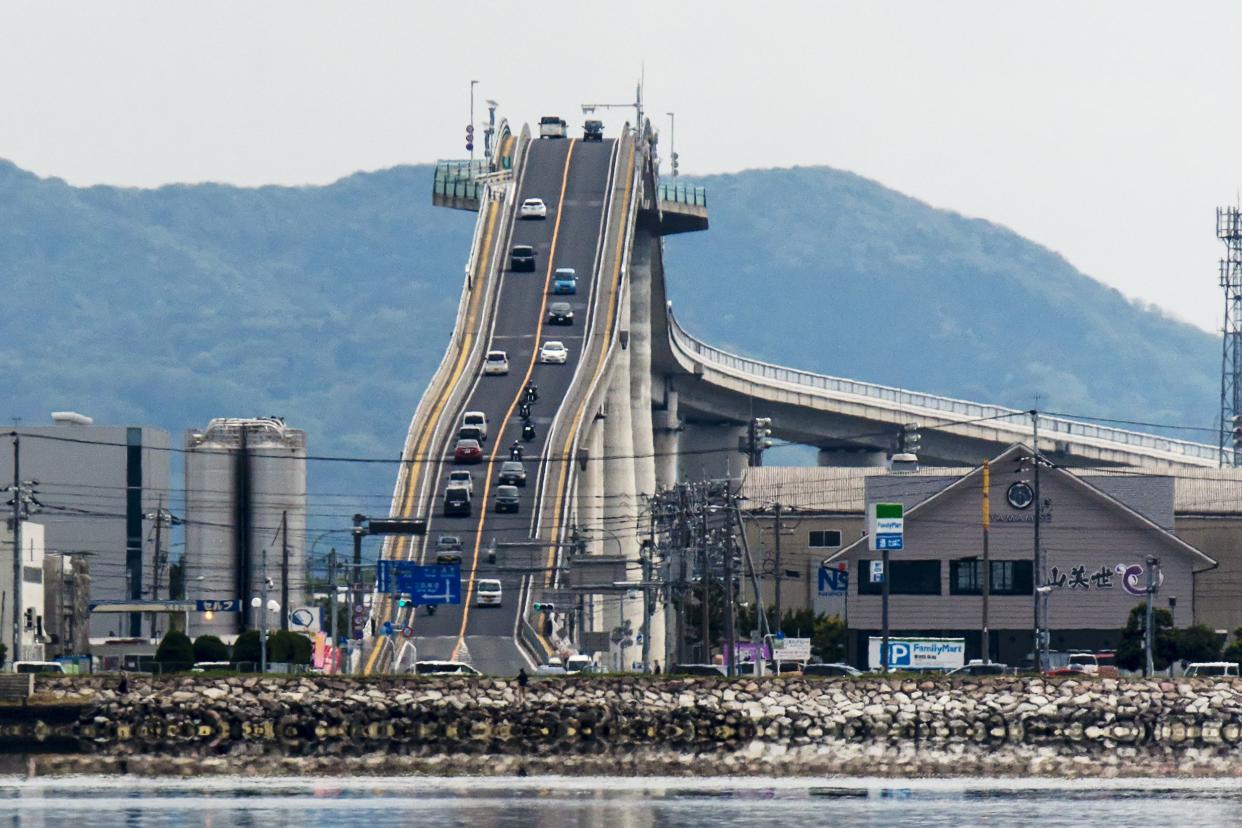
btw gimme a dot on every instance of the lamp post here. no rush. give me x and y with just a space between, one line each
473 84
672 142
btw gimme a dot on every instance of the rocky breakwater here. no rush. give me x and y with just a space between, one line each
649 725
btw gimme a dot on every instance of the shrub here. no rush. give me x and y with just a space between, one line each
175 651
246 647
210 648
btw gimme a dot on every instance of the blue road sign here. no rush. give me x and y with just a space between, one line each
890 542
436 584
387 629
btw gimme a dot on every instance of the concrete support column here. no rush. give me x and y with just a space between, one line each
620 502
641 414
591 509
710 451
853 458
667 439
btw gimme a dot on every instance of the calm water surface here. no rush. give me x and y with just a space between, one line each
554 801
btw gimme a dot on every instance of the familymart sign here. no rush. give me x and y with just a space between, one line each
885 526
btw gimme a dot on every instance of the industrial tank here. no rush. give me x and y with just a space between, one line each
245 494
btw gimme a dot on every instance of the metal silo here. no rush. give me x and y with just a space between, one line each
245 493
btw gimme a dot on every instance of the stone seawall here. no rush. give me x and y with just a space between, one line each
633 725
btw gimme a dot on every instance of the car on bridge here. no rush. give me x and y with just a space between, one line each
565 280
593 130
533 208
487 592
560 313
552 126
462 477
467 451
522 258
456 502
448 545
477 419
554 352
512 473
495 364
507 499
471 433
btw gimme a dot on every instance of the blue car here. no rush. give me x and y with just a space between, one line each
565 280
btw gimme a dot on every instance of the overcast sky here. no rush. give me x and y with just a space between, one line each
1107 131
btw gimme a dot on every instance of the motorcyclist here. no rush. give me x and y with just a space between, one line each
515 451
528 431
524 411
532 392
431 609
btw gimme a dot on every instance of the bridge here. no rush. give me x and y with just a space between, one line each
638 404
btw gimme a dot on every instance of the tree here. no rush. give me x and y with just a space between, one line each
288 647
829 637
175 651
4 654
1131 652
247 647
1234 651
210 648
1197 643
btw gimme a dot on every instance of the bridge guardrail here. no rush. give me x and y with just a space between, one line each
1049 425
682 194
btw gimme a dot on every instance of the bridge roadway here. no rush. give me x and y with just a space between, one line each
573 179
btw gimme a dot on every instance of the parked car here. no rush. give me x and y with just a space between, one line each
477 419
461 477
467 451
456 502
38 666
1226 669
507 499
522 258
553 667
579 664
496 364
976 667
565 280
1087 661
512 473
784 668
593 130
533 208
560 313
552 126
444 668
554 352
487 592
830 670
713 670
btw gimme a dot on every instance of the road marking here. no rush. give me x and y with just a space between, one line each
404 543
504 423
599 366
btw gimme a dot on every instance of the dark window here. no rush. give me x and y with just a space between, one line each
1008 577
827 539
909 578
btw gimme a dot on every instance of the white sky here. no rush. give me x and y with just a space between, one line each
1108 131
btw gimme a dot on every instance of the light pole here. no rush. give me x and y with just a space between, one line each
470 129
1149 636
672 142
1041 634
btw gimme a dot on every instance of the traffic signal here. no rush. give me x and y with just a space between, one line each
911 438
404 602
30 618
673 158
763 430
544 607
469 137
1237 431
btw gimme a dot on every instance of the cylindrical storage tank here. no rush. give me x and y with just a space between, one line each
242 477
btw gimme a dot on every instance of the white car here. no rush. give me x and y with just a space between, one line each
443 668
496 363
554 351
533 208
463 478
487 592
477 419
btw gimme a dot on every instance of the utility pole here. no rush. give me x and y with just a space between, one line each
332 597
1038 560
17 549
355 584
777 570
263 616
707 581
987 566
730 632
157 559
1149 635
884 609
284 570
683 576
646 625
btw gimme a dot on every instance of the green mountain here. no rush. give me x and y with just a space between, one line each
331 306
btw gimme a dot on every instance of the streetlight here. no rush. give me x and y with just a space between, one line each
672 141
266 605
470 126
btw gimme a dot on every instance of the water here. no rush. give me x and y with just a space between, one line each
495 802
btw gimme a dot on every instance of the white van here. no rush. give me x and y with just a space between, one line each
477 419
1226 669
487 593
39 667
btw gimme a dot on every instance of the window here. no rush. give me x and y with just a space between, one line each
825 540
1008 577
909 578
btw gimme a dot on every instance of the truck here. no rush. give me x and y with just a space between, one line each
552 126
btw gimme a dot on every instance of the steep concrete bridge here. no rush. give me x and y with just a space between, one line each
639 403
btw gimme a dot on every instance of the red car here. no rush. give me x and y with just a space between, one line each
467 451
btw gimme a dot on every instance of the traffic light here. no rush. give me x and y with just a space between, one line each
30 618
911 438
763 430
469 137
1237 431
544 607
673 158
404 601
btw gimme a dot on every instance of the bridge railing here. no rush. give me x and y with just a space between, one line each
682 194
958 409
456 179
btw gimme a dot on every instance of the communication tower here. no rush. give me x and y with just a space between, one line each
1229 231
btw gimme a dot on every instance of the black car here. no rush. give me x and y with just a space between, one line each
560 313
512 473
830 670
507 499
593 131
522 258
713 670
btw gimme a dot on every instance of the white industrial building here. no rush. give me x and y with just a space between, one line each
100 487
31 613
245 482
